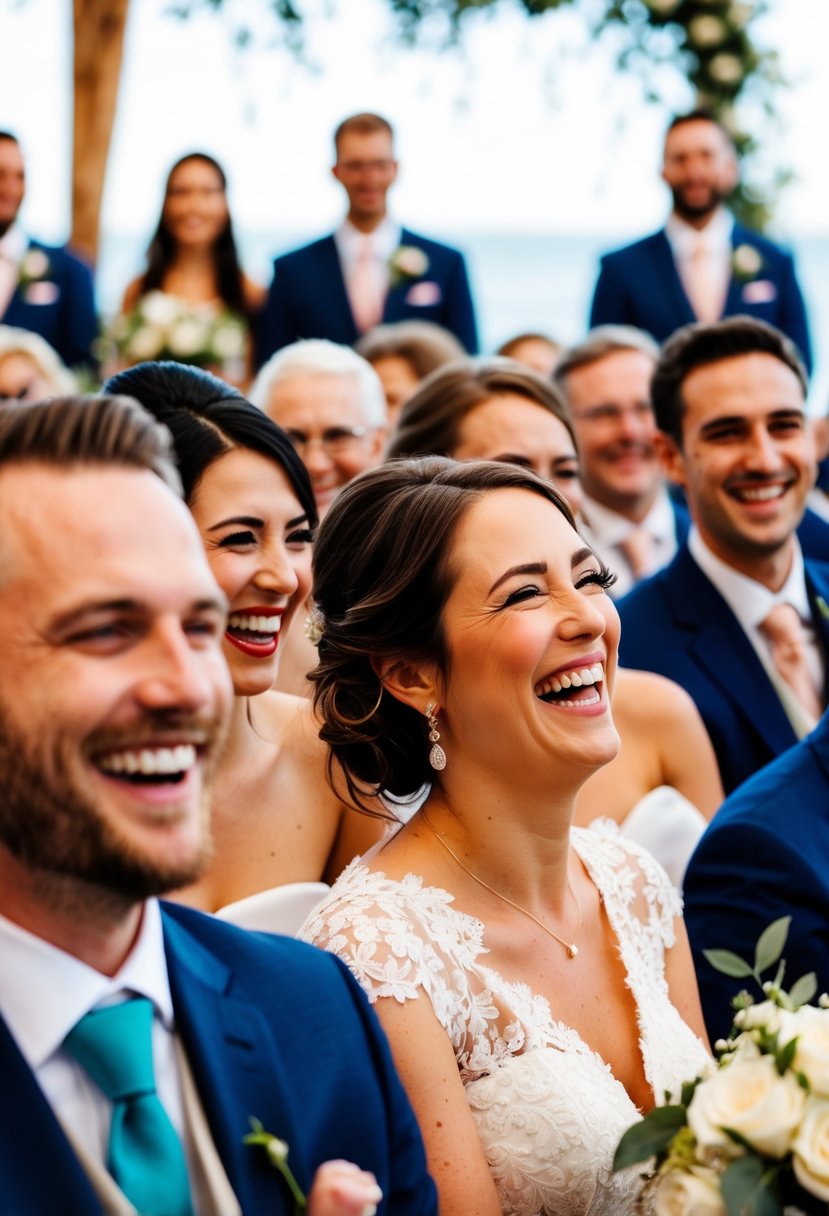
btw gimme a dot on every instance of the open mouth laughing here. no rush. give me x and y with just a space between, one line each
256 631
149 765
577 686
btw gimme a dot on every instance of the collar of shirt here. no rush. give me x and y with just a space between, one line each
386 238
609 528
684 239
13 244
749 600
45 990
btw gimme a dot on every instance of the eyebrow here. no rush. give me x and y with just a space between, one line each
251 521
541 567
785 411
98 607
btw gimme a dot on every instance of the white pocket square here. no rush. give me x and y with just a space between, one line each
759 291
423 294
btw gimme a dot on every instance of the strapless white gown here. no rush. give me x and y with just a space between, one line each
547 1108
666 824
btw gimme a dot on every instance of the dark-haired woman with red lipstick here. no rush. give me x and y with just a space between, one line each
275 818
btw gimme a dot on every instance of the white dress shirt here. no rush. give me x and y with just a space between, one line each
13 246
44 993
751 602
385 239
715 237
604 530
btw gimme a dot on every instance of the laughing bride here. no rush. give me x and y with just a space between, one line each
534 979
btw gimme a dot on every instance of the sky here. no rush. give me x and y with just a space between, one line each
529 128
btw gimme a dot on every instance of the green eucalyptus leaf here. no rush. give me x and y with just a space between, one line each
784 1056
728 963
748 1190
803 990
650 1137
771 943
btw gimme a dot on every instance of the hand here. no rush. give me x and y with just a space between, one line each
343 1189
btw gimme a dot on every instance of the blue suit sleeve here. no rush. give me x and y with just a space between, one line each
740 879
609 305
78 322
459 309
275 326
792 312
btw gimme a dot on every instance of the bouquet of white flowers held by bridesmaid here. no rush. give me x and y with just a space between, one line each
163 327
752 1137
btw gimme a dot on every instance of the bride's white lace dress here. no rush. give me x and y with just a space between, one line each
548 1109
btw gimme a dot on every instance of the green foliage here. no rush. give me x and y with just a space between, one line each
650 1137
749 1188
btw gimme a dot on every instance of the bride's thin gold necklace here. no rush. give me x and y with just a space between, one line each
571 947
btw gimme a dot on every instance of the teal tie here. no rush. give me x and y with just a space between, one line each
145 1155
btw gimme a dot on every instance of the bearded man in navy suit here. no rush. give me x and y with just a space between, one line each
369 270
702 265
42 288
114 698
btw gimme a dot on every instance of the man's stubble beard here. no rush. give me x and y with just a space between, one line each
48 823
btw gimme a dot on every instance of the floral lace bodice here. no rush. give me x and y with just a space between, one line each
547 1108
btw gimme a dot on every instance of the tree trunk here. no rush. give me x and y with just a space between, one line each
99 45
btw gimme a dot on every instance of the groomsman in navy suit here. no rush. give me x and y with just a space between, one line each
369 270
42 288
740 617
138 1039
702 265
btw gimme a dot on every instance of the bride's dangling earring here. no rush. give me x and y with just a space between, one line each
437 756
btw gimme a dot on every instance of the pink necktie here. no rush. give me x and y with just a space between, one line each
787 638
8 281
638 551
704 289
366 289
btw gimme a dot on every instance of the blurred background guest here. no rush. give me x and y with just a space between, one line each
193 303
537 351
404 353
30 369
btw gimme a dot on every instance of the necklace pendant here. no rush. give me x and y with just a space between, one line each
572 950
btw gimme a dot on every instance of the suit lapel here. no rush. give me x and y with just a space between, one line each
394 309
666 276
231 1051
332 283
733 298
38 1168
817 586
722 649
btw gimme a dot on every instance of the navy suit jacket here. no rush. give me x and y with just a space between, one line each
677 624
307 297
764 855
273 1029
60 307
639 285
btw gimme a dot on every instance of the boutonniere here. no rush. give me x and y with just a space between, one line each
276 1151
822 607
34 268
746 262
406 263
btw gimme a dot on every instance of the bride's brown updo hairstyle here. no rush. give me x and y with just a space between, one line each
382 574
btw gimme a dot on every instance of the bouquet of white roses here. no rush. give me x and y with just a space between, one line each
162 327
752 1137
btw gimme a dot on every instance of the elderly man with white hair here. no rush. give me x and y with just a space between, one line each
331 403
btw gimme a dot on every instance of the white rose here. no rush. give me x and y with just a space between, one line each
188 337
811 1057
706 30
411 261
751 1097
145 343
725 68
747 260
766 1013
228 340
689 1193
160 309
811 1149
35 264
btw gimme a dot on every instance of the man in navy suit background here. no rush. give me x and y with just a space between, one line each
114 699
764 855
729 400
369 270
42 288
702 265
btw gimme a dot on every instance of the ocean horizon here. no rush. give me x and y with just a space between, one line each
540 281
